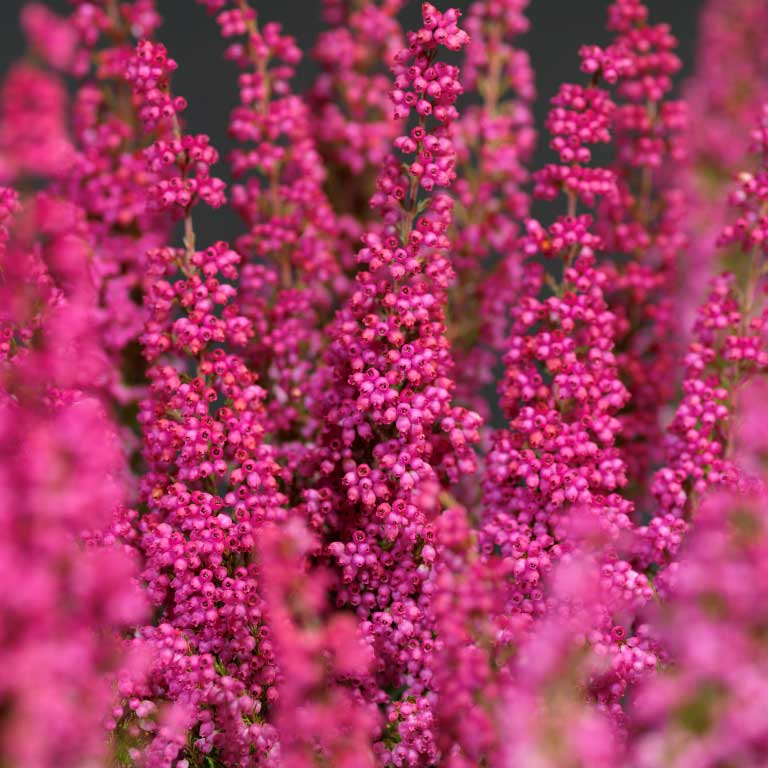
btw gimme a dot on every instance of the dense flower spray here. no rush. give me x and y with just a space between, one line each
641 227
701 711
257 508
495 140
69 589
291 274
97 164
352 110
393 437
320 715
109 178
727 350
724 94
552 482
33 139
554 479
561 390
210 480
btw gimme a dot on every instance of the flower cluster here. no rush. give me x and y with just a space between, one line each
724 95
494 140
294 242
728 349
208 485
182 163
703 711
643 223
560 449
70 586
554 480
260 507
351 107
392 437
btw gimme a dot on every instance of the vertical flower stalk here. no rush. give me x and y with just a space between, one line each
476 641
728 349
87 153
558 471
70 592
109 178
291 276
210 482
495 139
561 391
350 107
642 226
699 710
724 94
392 437
321 718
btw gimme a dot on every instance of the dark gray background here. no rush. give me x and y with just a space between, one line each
559 27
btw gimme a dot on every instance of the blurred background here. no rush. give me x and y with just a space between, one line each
558 28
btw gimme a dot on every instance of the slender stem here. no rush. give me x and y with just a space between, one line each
492 85
571 203
261 65
646 177
754 272
113 11
189 234
189 230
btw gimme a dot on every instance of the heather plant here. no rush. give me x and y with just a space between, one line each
261 507
724 96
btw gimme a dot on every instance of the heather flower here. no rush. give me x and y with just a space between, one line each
643 223
476 640
63 480
33 133
549 720
50 36
494 141
706 707
291 275
724 94
276 440
86 152
392 437
727 350
560 450
558 466
351 110
209 482
322 656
